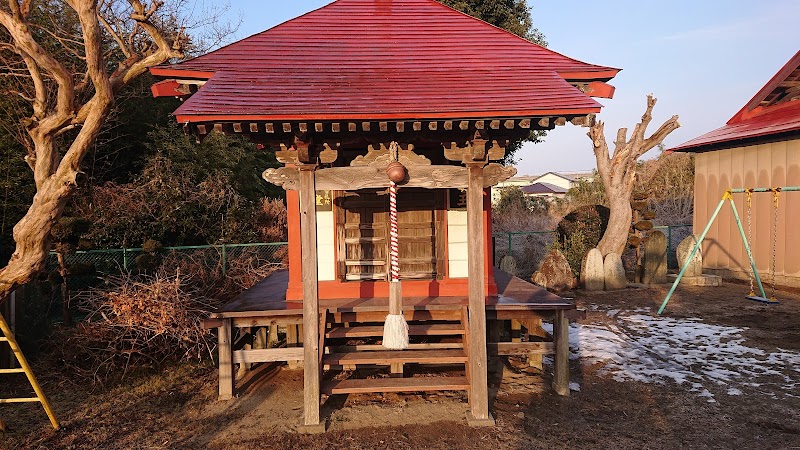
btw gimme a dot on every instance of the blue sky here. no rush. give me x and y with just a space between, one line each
703 59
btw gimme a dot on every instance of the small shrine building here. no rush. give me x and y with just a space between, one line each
331 92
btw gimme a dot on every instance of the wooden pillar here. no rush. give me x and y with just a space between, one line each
308 250
479 389
226 375
561 358
248 345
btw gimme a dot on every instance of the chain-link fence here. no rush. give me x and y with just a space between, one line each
86 268
527 247
675 234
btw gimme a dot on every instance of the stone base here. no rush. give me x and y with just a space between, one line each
702 280
312 429
475 423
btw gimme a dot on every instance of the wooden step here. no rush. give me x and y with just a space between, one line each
395 385
381 348
413 330
457 356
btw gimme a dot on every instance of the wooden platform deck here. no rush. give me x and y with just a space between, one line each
440 328
515 297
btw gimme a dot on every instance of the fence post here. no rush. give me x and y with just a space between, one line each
510 245
224 260
669 245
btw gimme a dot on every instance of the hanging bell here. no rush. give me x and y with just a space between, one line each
396 171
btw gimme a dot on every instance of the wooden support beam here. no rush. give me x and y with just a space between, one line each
448 125
521 348
268 355
303 127
336 127
383 126
561 121
318 127
561 359
544 122
464 125
509 124
237 127
369 177
525 123
400 127
417 126
287 128
479 124
270 128
226 373
495 125
247 336
218 128
352 127
479 388
365 126
308 250
433 126
201 129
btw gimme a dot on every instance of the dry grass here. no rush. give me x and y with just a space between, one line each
136 322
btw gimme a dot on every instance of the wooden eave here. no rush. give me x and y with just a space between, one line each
785 82
346 132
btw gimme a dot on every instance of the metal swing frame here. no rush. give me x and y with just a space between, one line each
728 197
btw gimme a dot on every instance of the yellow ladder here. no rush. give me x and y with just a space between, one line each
8 336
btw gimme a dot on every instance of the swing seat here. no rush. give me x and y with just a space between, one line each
765 300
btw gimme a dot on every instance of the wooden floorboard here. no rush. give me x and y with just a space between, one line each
403 356
395 385
413 330
268 299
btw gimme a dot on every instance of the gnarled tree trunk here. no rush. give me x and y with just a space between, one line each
66 97
618 172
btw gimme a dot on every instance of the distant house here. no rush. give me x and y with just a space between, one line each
557 179
545 190
514 182
758 147
551 184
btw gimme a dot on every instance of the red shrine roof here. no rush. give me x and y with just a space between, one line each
385 59
772 113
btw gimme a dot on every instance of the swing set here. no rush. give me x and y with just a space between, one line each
746 239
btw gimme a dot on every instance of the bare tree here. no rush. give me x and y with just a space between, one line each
65 62
618 172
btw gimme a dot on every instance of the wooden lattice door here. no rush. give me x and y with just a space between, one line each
362 231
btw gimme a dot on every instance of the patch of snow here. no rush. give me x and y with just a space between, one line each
575 387
734 391
641 347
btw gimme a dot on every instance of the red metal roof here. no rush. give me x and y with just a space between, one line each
392 59
773 112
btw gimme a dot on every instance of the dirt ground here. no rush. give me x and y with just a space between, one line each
177 408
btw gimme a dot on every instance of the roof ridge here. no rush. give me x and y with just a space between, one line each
515 35
589 67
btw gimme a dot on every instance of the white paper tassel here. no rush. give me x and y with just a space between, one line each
395 332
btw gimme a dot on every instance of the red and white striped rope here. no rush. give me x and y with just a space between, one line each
394 247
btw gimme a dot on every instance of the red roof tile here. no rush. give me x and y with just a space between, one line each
393 59
783 120
754 121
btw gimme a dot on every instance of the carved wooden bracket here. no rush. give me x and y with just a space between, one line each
303 152
477 150
374 177
380 157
